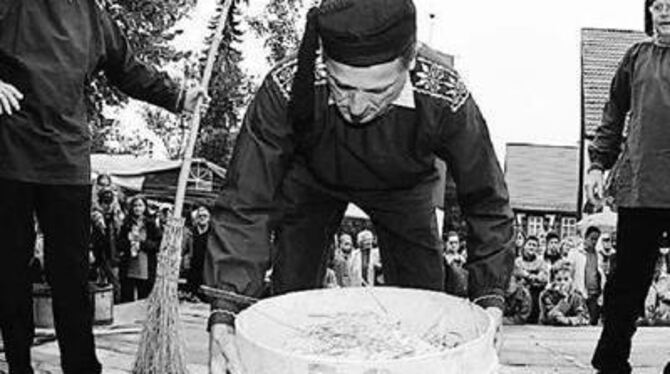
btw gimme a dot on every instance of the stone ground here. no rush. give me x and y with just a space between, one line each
527 350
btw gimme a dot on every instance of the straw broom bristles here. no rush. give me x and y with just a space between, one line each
161 348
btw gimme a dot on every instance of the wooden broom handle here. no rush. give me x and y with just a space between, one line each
195 119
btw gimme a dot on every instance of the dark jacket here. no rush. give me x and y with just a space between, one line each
396 153
150 246
639 89
49 50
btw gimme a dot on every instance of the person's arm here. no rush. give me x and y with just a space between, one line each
122 243
130 75
579 312
238 252
557 313
606 146
522 314
463 142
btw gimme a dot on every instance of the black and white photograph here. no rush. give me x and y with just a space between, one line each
334 187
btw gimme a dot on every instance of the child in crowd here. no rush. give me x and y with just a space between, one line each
533 271
657 304
561 304
518 303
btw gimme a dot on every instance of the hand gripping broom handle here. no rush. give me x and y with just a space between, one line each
195 119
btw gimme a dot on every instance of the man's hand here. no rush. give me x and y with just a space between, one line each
497 315
223 356
9 98
594 185
194 94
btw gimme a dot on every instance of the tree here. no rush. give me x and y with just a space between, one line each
230 90
278 25
148 26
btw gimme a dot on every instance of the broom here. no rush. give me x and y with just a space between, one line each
161 348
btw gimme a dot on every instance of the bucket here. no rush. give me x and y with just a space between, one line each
102 300
264 332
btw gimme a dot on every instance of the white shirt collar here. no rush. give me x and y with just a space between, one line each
405 99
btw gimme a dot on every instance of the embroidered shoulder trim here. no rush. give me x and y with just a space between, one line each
284 73
441 82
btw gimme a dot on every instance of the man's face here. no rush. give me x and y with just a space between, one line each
591 239
660 15
530 249
453 244
346 244
202 217
364 93
553 245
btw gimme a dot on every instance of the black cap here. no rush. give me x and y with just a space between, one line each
369 32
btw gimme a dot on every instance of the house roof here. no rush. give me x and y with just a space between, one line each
542 177
602 50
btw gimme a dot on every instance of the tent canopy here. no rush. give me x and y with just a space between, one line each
157 179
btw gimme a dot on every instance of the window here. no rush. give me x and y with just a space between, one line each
200 178
535 226
568 227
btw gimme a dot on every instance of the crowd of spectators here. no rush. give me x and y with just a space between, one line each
126 233
561 282
556 281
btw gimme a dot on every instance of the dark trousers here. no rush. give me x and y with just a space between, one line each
638 234
405 222
63 213
594 309
135 289
534 316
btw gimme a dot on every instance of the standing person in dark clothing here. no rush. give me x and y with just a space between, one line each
48 50
639 89
200 237
593 275
107 218
553 253
364 125
139 240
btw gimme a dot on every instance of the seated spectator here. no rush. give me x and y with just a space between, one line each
138 244
657 304
561 304
589 278
518 303
533 271
553 252
456 277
